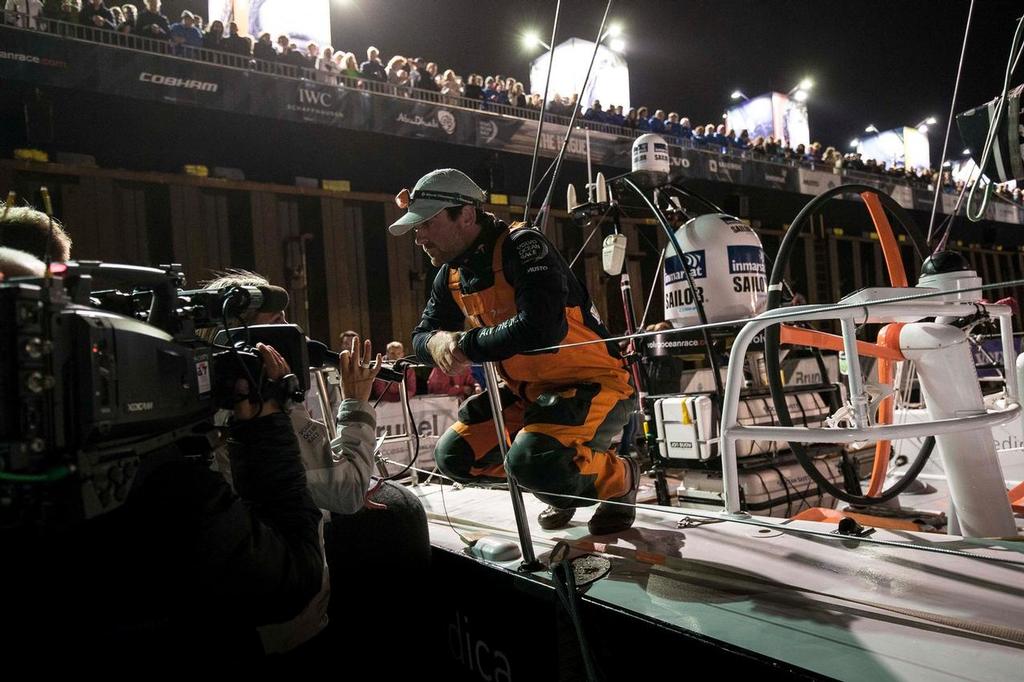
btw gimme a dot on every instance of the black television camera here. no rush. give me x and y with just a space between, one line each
93 382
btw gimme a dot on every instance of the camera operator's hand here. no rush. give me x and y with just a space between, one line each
448 357
275 368
357 374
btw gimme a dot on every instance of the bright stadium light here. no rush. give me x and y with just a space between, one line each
617 45
806 84
531 39
854 142
737 94
871 128
614 31
966 152
800 95
923 129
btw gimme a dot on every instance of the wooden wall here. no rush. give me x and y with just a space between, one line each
364 278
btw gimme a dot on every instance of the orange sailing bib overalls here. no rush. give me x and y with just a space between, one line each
561 409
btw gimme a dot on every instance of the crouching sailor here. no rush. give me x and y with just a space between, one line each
561 408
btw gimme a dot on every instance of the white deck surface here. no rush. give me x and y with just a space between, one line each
829 606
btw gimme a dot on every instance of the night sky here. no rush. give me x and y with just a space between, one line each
884 63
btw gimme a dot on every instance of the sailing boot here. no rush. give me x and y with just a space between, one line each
554 518
611 517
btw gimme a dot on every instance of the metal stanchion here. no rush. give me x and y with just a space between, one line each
522 524
324 396
403 396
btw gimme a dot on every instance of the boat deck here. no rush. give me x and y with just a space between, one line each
840 608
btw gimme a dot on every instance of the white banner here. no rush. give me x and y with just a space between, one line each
815 182
432 415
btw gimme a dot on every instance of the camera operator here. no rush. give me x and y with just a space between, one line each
185 566
375 534
26 229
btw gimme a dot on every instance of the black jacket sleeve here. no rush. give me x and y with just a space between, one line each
440 314
267 554
538 275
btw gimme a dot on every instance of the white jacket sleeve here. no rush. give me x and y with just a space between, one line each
338 472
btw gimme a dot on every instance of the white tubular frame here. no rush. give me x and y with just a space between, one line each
731 430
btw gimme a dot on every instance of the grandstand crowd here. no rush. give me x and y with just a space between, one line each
191 36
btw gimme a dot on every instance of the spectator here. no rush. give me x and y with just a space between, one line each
312 55
350 69
461 385
402 83
536 100
685 129
395 64
642 123
239 44
131 18
554 105
214 38
388 391
500 93
698 135
721 138
516 96
744 139
184 34
450 87
830 157
573 105
151 23
327 72
23 13
348 337
614 115
473 89
199 21
264 49
293 57
594 113
97 15
489 92
631 119
656 123
416 67
372 69
69 10
672 125
429 79
282 47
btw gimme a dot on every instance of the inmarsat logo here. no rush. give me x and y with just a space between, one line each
696 263
447 120
175 82
318 97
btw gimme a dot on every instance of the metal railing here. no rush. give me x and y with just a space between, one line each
330 77
731 430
